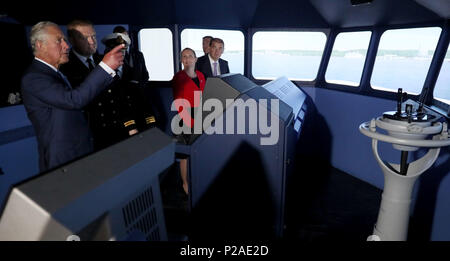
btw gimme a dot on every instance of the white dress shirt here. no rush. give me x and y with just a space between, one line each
49 65
105 67
102 64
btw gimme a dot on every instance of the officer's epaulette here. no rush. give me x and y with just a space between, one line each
150 119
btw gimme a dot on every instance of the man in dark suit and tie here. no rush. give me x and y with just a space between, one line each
121 110
83 56
211 64
52 104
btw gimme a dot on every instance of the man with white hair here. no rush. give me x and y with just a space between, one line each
53 104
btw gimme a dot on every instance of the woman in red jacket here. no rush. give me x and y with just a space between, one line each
188 84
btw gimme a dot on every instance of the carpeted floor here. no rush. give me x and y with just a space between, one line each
327 207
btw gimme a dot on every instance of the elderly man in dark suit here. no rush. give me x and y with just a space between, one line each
121 110
53 104
211 64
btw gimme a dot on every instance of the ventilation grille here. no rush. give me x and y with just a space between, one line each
140 214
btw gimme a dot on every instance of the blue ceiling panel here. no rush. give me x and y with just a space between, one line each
340 13
286 13
230 13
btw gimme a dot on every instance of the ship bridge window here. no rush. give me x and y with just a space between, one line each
296 55
233 48
157 46
347 59
403 59
442 87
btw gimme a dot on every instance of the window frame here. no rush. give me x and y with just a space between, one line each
173 30
181 28
443 48
365 57
364 88
416 96
252 32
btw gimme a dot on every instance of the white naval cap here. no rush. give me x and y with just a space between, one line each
114 36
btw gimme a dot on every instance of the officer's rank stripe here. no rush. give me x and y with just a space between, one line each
150 119
128 123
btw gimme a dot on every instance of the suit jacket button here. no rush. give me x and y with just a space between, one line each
99 104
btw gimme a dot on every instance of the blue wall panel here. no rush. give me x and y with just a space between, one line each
18 149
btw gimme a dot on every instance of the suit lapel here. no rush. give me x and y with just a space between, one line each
97 58
47 70
208 66
78 63
223 68
64 78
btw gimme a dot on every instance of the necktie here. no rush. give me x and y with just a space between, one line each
119 71
90 64
215 69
